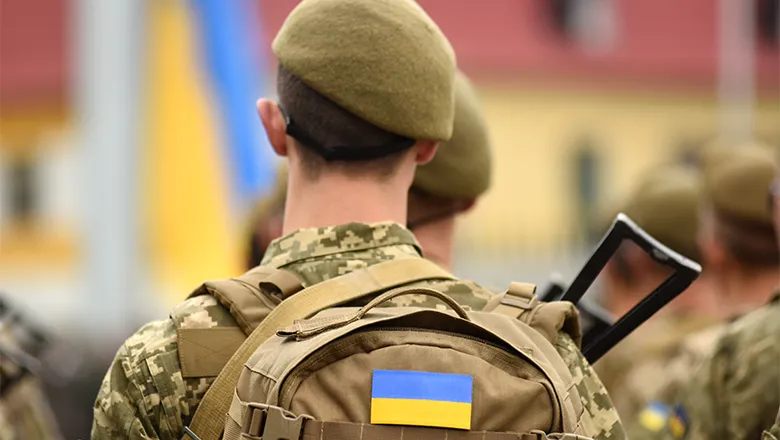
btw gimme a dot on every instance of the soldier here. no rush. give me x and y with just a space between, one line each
665 204
450 184
442 189
366 90
734 394
737 235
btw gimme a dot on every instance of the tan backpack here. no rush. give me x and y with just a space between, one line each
400 372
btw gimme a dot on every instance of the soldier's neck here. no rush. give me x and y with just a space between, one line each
746 292
437 240
331 202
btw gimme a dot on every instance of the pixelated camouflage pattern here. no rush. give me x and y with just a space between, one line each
735 394
144 396
654 360
604 420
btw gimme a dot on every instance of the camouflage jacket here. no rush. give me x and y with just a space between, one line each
24 409
145 396
735 394
654 360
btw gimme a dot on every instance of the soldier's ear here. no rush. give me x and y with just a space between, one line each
274 124
425 151
713 254
468 205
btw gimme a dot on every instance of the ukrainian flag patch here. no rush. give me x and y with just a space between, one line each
419 398
654 416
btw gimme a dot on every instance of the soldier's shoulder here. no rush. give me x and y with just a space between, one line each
158 337
764 322
700 344
202 311
153 338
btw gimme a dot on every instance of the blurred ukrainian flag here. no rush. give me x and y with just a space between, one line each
206 157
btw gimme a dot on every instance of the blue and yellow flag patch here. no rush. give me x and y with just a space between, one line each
657 417
419 398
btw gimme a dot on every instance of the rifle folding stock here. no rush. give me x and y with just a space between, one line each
597 342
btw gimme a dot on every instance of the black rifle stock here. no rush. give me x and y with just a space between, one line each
623 228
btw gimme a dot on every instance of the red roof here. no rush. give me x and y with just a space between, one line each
34 51
658 41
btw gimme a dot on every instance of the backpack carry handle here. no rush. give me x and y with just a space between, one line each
623 228
459 310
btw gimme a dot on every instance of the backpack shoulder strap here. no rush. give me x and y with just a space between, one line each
208 420
521 302
251 296
245 300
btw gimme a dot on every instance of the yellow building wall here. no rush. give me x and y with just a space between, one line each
532 205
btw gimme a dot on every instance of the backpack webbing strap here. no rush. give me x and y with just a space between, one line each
208 420
518 299
273 422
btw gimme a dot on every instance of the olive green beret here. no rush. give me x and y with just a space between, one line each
461 169
719 150
666 205
384 61
737 184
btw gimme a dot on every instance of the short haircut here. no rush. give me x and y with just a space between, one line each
424 207
752 244
330 125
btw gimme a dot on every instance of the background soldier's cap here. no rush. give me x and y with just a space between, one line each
384 61
718 150
463 166
737 182
666 205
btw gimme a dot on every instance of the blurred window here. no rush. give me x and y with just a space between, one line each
586 171
767 15
32 231
590 23
22 194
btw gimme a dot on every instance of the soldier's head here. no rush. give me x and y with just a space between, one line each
737 234
451 183
366 92
665 204
266 219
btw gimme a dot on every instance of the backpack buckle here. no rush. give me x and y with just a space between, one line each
272 423
520 295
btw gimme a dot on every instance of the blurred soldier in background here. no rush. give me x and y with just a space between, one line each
738 238
451 183
734 394
665 204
